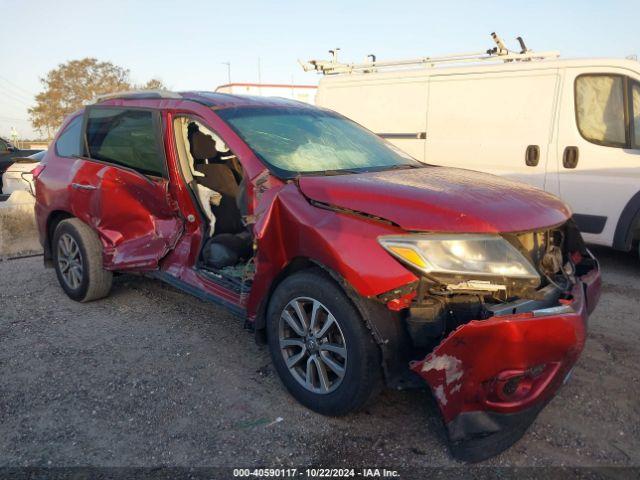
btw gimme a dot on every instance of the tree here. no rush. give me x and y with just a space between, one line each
153 84
75 82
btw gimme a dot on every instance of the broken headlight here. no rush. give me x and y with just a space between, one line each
462 257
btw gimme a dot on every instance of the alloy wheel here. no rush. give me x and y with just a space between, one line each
70 261
312 345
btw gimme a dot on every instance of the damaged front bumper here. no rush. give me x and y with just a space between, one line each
492 377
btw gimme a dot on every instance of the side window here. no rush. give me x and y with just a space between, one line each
126 137
198 145
635 105
600 109
3 146
68 143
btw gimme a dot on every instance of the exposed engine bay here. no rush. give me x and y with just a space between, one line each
433 308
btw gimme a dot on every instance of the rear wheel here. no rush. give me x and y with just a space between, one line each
322 351
77 258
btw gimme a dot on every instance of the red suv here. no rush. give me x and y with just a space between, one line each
354 262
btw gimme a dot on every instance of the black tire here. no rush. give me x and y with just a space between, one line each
362 373
95 281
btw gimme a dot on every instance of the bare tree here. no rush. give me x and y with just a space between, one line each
70 84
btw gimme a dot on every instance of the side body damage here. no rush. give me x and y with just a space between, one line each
289 227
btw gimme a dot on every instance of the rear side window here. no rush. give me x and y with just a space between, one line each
635 105
600 109
126 137
68 144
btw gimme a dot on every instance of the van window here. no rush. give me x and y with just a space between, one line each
68 143
125 137
635 99
600 109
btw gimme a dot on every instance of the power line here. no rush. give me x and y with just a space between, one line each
15 99
17 86
14 119
17 94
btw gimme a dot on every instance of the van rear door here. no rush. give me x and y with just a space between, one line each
498 121
598 157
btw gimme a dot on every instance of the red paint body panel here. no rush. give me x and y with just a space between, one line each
464 369
131 214
441 199
290 227
52 195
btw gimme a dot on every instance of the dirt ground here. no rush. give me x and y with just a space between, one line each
151 376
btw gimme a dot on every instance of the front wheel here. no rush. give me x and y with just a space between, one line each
320 347
77 258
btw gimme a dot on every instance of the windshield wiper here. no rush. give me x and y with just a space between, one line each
386 168
403 166
341 171
346 171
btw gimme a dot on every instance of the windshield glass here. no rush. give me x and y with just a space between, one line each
299 141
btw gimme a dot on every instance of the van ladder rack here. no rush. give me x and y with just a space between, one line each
499 52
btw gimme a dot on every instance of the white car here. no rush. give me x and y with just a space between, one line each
570 127
18 176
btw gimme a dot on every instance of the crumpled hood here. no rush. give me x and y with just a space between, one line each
440 199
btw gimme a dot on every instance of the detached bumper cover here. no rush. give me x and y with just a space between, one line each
492 377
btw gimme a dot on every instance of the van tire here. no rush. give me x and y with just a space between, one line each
362 375
94 281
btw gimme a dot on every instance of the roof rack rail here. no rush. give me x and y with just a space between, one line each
134 94
499 52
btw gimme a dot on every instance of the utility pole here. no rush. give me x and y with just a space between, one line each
15 137
228 64
259 76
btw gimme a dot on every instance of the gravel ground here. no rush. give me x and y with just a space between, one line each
151 376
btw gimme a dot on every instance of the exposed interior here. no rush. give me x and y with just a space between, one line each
216 179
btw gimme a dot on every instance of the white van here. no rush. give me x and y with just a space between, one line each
570 127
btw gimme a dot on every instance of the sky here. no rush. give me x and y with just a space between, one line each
185 44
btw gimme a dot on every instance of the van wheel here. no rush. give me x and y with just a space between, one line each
77 257
322 351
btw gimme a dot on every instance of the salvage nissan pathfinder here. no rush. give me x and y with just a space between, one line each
354 262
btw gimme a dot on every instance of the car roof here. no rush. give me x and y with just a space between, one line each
214 100
224 100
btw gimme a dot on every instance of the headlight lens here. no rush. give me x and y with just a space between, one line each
473 256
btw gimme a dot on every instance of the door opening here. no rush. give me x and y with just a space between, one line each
217 180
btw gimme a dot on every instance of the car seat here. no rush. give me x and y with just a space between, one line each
231 241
